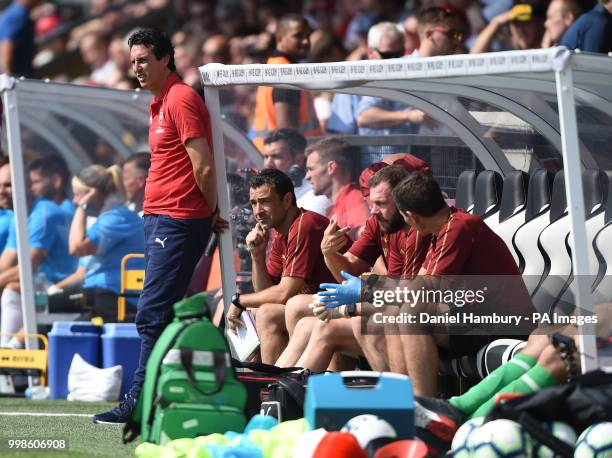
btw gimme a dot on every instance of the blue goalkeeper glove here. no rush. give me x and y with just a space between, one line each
334 295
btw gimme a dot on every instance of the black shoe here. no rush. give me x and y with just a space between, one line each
438 417
120 414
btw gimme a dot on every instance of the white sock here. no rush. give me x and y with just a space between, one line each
10 316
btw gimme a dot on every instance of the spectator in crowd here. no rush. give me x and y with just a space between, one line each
180 196
329 165
49 176
592 32
94 52
294 265
560 15
119 55
277 108
216 49
116 232
526 21
440 32
17 48
135 172
411 34
6 201
48 227
284 151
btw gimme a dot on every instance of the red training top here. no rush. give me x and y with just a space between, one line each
402 253
177 115
299 254
467 246
349 208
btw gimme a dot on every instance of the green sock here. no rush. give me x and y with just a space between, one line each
534 380
469 402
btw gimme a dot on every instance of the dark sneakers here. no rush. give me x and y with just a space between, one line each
120 414
438 417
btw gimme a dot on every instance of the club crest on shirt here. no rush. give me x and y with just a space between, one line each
160 120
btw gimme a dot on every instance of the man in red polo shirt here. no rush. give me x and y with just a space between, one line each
295 264
180 195
329 170
385 236
462 244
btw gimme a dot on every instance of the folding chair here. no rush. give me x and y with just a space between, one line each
132 280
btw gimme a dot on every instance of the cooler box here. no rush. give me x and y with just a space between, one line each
65 339
121 346
330 403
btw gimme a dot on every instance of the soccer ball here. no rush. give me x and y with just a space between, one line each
561 431
459 444
595 442
500 438
368 428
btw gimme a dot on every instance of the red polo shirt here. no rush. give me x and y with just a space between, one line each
177 115
299 254
349 207
402 253
467 246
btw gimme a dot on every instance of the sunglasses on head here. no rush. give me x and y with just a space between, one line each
390 54
453 34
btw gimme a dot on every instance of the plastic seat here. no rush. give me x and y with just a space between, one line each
487 196
132 280
512 210
525 240
557 275
464 197
402 449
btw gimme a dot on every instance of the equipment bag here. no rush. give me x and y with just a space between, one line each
272 390
190 388
580 403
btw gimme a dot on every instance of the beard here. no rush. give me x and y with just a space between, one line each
390 226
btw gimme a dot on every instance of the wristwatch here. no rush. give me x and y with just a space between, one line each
83 206
351 309
236 302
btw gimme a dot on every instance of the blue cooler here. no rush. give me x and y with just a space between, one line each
65 339
121 346
330 403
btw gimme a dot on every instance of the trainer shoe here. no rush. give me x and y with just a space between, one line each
120 414
438 417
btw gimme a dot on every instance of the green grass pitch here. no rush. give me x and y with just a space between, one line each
85 439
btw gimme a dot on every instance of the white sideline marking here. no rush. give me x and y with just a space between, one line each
45 414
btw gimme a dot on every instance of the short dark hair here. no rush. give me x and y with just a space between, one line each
142 161
287 19
295 141
334 149
392 174
50 165
4 159
419 193
437 16
281 183
157 41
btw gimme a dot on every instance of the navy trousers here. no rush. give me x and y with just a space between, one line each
172 250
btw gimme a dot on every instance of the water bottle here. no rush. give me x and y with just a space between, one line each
37 392
40 292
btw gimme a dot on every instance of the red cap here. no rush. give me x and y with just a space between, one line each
339 445
408 161
47 24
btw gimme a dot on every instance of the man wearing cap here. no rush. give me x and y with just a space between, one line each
526 21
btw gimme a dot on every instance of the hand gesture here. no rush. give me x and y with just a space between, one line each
333 237
334 295
256 240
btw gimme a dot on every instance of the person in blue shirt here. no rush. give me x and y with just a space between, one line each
17 47
6 201
48 238
50 177
591 32
117 231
